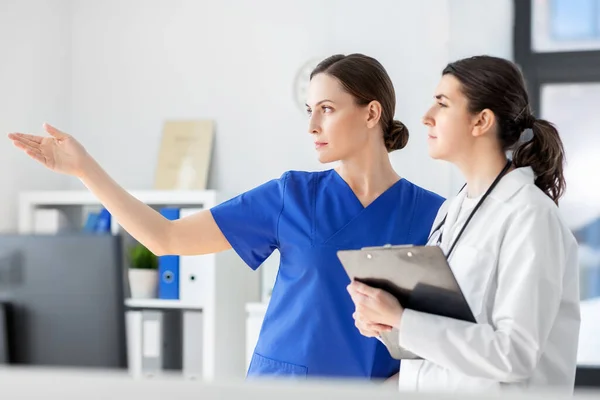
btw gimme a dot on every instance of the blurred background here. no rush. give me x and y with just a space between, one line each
134 79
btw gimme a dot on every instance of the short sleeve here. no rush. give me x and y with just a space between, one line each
250 221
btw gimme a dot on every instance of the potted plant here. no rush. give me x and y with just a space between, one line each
143 272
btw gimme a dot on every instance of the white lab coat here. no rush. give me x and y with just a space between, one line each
517 266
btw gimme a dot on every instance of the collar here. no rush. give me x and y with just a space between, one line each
509 185
512 182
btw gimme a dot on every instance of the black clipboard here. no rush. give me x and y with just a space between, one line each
418 276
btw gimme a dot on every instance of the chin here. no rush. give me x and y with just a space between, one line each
435 153
326 159
323 160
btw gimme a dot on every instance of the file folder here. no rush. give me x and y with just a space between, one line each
168 266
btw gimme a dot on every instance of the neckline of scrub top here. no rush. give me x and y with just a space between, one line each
355 197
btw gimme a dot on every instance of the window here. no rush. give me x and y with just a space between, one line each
565 25
572 108
557 46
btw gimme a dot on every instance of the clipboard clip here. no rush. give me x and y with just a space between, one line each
388 247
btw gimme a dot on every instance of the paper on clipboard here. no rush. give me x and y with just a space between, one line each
418 276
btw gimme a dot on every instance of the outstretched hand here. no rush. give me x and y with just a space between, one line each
59 151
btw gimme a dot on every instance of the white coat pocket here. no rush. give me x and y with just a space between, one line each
473 269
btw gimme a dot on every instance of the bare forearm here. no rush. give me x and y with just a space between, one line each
141 221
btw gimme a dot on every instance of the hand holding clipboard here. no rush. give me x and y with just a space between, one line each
419 277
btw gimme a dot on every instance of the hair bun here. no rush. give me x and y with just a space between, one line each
396 136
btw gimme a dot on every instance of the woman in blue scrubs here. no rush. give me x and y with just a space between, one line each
308 330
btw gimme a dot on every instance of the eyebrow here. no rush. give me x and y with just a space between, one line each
321 102
440 96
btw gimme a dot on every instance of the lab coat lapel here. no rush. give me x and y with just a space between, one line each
451 217
509 185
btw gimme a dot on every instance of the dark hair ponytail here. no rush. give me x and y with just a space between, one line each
497 84
546 156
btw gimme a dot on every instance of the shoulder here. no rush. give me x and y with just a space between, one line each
302 180
530 200
531 209
301 187
305 176
426 198
426 206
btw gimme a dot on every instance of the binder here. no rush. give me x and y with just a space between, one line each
134 332
194 272
152 343
168 266
193 337
103 224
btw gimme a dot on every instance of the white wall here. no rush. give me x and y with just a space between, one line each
111 72
34 78
137 63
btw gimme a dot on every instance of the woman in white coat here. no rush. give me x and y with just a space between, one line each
512 254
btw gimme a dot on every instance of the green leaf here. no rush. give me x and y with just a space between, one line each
142 258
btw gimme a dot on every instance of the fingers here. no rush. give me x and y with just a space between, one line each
365 306
363 302
365 330
369 329
52 131
25 137
31 151
27 145
368 324
380 328
365 289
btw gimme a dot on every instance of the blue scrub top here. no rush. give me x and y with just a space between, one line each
308 330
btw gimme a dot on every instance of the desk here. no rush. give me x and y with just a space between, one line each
86 384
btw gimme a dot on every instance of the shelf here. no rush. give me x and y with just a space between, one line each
161 304
85 197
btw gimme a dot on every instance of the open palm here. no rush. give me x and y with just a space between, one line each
59 152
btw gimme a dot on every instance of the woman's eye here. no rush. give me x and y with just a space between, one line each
308 111
442 104
327 109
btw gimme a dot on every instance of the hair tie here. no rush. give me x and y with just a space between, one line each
527 121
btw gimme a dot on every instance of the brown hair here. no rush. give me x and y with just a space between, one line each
366 80
497 84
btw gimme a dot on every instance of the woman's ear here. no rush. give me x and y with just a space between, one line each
373 114
484 122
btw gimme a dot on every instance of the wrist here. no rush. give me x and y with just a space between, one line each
86 168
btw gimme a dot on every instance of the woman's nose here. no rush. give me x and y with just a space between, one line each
428 119
313 126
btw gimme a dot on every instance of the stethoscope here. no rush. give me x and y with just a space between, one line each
479 203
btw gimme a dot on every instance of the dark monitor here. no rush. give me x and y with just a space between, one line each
4 333
65 299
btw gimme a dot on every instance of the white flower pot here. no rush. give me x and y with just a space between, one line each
143 283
